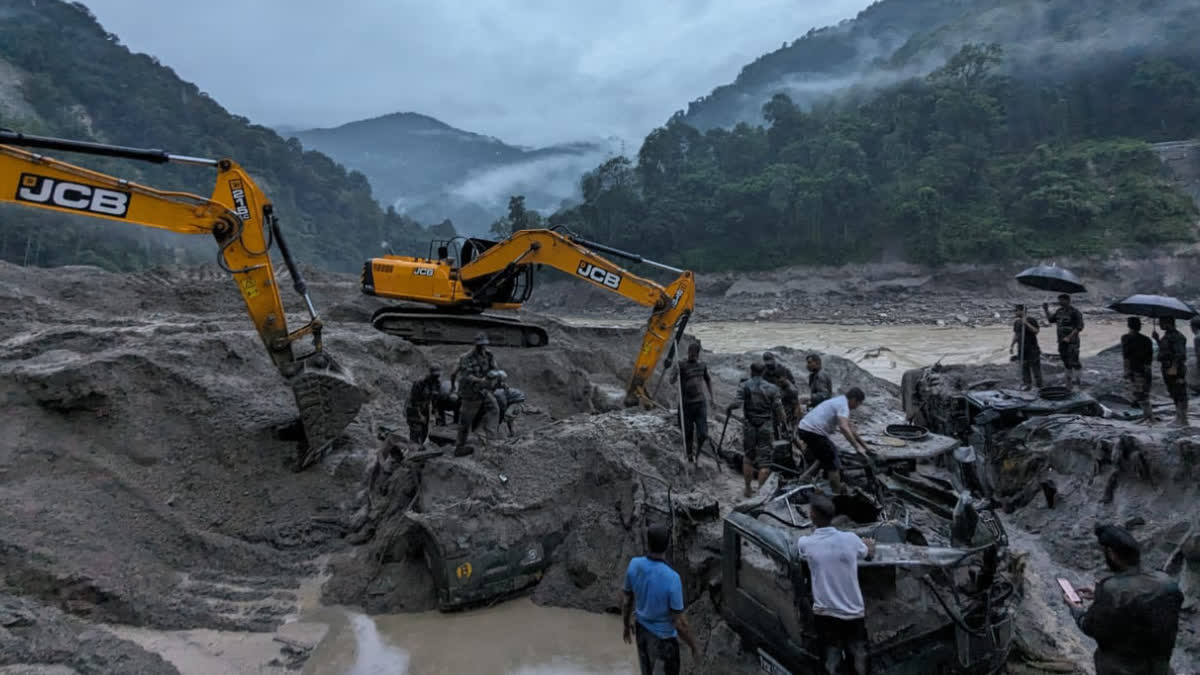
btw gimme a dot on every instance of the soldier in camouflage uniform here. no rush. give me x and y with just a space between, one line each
762 410
820 385
1069 322
471 376
781 376
1172 356
419 408
1134 616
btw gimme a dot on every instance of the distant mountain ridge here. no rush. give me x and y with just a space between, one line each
63 74
431 171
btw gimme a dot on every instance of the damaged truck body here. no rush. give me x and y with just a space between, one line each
929 608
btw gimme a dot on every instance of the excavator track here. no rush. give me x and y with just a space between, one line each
421 326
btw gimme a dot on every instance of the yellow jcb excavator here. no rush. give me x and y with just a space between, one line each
241 219
480 275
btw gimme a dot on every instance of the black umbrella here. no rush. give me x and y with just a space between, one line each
1154 306
1051 278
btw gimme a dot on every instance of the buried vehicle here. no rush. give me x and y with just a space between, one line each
930 609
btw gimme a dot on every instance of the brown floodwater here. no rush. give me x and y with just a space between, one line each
883 351
513 638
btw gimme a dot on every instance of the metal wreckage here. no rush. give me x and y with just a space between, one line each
937 596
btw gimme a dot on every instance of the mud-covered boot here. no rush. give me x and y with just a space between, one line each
463 450
1148 413
1181 415
1067 380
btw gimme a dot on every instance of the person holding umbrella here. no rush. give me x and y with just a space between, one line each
1172 357
1070 324
1025 332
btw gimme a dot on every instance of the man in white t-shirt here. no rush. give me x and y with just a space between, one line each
821 422
838 611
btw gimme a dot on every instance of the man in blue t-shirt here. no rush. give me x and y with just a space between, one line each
654 588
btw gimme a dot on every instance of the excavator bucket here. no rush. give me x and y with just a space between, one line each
328 400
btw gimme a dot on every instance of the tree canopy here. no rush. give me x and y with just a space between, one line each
970 163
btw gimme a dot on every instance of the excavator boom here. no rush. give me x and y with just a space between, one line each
499 277
241 220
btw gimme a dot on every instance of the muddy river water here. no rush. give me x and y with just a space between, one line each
519 638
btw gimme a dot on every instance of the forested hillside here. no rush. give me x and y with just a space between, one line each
61 74
991 156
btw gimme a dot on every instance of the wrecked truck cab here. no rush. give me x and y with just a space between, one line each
929 609
470 577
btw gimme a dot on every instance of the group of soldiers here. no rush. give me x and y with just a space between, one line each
1137 352
477 397
771 408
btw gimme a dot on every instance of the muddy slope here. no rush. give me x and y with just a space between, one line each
141 473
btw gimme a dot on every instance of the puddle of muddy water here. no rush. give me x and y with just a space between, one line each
514 638
883 351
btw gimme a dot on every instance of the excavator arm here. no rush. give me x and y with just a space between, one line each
671 307
242 221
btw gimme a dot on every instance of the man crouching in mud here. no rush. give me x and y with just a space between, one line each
656 591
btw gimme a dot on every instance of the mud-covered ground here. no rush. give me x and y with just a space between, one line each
144 484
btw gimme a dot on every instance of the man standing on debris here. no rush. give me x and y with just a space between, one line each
820 385
1070 324
419 409
471 376
1029 354
1135 613
1172 357
656 591
838 611
820 423
762 411
1138 353
696 381
781 376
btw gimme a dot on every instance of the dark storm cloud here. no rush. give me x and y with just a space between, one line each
528 71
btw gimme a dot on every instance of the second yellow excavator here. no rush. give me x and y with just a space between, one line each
479 275
241 219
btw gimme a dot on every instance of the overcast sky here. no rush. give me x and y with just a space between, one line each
527 71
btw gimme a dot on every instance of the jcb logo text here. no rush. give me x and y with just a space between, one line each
599 275
64 194
423 271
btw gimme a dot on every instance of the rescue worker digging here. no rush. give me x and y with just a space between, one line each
762 411
696 381
820 423
1172 356
478 401
1134 617
419 410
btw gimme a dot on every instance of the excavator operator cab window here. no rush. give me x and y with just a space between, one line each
443 252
